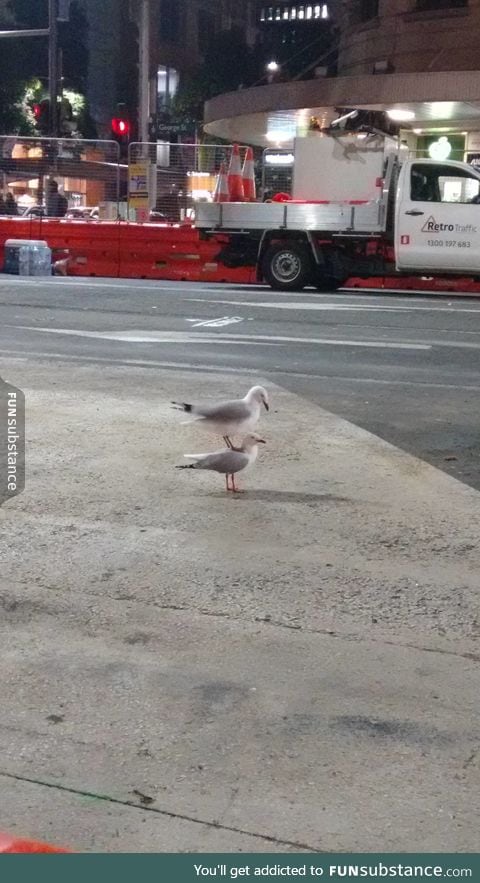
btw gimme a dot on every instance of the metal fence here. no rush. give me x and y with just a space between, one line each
90 180
60 177
168 180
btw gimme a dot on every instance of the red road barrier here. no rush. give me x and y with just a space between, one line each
129 251
174 252
11 844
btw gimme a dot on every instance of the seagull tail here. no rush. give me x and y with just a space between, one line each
183 406
187 466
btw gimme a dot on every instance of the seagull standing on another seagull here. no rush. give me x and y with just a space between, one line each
228 461
235 417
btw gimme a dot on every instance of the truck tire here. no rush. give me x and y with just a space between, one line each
287 266
335 271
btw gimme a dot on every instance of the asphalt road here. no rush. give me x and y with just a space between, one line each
406 368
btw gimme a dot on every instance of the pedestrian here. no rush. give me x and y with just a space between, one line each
3 210
10 205
57 203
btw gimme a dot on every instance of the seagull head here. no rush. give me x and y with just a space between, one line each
258 394
252 440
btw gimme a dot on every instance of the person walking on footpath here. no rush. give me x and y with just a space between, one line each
10 205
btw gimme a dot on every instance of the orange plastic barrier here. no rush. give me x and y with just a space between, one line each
11 844
174 252
129 251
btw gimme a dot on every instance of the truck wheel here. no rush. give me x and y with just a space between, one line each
287 266
327 283
334 272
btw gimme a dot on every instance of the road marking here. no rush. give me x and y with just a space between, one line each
215 323
154 284
334 307
234 287
156 336
186 337
228 369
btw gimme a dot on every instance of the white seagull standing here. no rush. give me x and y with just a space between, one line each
229 460
235 417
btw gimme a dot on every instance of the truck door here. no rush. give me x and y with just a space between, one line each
437 218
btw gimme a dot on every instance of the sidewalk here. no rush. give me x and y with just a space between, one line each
296 667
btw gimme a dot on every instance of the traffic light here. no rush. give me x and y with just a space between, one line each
41 112
121 128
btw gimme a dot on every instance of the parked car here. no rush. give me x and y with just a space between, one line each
82 213
35 211
158 217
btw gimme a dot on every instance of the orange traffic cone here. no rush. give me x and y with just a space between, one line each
248 175
235 180
9 843
221 193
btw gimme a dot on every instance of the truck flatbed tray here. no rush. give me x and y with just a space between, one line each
332 217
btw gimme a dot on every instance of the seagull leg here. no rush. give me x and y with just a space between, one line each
235 489
227 441
226 482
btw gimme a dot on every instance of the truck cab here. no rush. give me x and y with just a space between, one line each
437 218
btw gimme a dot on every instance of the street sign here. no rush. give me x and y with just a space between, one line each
142 188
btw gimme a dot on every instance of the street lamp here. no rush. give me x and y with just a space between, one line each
272 68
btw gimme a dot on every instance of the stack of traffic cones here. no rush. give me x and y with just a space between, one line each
235 179
221 193
248 175
8 843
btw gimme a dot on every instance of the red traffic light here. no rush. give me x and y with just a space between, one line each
121 127
37 111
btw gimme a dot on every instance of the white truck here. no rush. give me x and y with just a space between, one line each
360 207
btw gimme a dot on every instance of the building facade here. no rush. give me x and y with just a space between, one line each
408 36
180 34
414 60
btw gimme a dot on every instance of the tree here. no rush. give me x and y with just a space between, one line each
24 67
13 115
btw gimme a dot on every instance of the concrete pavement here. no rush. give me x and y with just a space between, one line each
293 668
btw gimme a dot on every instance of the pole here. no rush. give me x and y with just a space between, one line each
144 71
53 66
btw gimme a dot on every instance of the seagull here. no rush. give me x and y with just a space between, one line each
229 460
235 417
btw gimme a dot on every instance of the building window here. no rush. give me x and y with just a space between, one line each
167 85
368 9
433 5
300 12
170 22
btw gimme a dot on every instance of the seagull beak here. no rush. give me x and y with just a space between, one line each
261 441
267 406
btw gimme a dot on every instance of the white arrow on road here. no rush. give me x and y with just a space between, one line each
215 323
